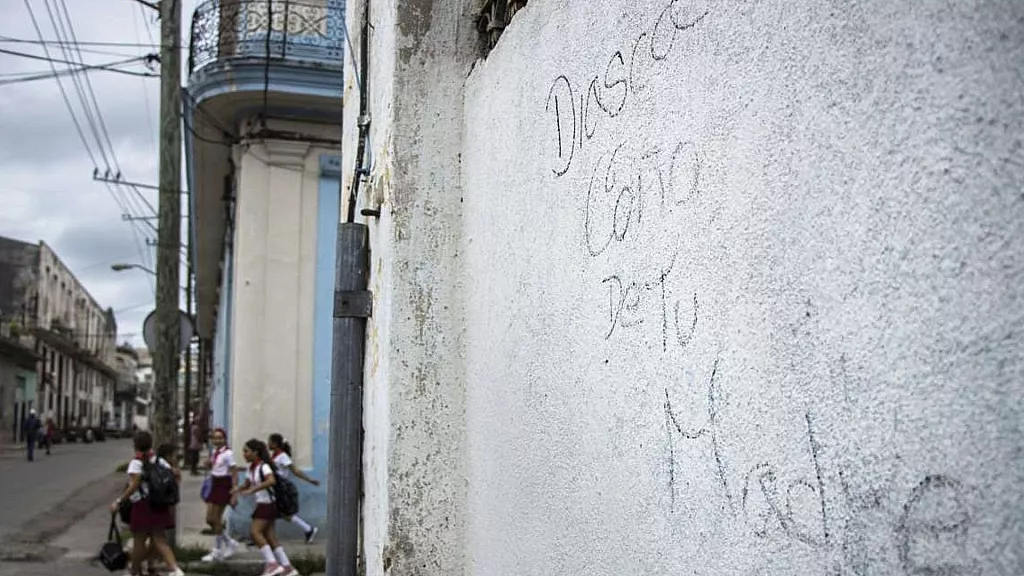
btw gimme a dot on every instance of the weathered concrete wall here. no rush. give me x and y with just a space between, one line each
421 52
744 289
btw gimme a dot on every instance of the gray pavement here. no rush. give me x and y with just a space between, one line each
29 489
58 568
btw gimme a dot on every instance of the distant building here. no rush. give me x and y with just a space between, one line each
68 336
263 109
129 388
144 399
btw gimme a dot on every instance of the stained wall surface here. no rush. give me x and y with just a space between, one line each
743 288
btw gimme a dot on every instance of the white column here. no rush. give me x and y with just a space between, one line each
270 379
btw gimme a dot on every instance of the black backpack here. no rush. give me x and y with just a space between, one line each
163 486
285 495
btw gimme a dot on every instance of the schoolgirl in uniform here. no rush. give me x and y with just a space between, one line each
281 452
259 479
222 482
147 522
167 455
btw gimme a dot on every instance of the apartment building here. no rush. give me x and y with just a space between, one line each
71 338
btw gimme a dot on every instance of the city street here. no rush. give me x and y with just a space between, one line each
29 489
41 500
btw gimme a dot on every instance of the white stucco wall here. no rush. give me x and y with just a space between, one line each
756 308
414 390
272 321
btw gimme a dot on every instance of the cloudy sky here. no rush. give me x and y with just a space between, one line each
47 191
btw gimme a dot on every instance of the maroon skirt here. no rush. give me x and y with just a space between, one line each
265 512
148 519
220 493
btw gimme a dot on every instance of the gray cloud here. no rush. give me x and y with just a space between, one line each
47 192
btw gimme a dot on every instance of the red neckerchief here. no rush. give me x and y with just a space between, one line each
217 453
255 466
276 454
143 457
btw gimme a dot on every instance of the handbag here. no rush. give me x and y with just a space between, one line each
206 489
112 554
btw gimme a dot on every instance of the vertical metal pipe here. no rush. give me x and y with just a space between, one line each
352 307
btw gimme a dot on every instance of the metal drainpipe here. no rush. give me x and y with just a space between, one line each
353 304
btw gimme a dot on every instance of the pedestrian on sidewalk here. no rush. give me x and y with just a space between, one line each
223 470
51 428
259 481
195 446
31 431
148 522
281 452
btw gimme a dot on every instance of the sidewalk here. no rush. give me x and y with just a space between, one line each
192 520
81 542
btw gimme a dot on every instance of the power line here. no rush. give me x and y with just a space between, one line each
67 102
29 77
145 90
87 66
45 42
70 32
90 119
74 117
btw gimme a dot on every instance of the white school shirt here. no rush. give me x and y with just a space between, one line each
283 462
221 462
258 477
135 468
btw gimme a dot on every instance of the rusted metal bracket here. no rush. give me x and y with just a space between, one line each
353 304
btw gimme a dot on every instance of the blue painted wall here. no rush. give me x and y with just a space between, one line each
328 215
219 395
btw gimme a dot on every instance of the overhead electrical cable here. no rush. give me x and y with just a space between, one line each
80 67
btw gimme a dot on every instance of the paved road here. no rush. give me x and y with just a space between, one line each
31 488
58 568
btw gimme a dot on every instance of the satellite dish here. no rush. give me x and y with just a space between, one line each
185 329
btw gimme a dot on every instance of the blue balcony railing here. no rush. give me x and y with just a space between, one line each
310 31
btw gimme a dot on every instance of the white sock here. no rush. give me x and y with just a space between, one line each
301 524
282 558
268 554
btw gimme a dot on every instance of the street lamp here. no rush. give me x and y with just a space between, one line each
122 267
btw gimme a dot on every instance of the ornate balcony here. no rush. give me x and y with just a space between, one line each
299 31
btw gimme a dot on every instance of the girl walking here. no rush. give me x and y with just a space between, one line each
167 455
259 480
222 482
148 522
281 452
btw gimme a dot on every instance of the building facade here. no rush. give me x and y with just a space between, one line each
71 335
691 287
128 388
18 380
658 286
263 113
146 378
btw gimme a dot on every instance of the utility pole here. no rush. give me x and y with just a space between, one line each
186 428
168 261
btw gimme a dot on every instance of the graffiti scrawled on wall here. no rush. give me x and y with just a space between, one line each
644 204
